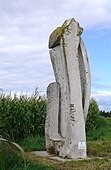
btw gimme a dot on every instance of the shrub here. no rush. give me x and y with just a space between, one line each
93 115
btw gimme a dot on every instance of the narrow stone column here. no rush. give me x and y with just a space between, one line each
72 74
59 66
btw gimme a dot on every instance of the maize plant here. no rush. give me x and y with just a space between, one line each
22 116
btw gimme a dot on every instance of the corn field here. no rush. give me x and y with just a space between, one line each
21 116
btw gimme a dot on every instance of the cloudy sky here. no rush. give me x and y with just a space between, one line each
25 26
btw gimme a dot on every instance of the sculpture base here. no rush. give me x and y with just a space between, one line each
45 154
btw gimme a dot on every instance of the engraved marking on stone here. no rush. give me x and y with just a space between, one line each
72 113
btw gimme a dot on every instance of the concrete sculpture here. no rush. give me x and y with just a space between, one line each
68 97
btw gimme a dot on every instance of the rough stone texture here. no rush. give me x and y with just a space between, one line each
52 120
68 98
58 62
87 81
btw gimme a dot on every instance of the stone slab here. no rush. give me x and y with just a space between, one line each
68 97
45 154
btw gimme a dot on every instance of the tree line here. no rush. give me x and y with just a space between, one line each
105 113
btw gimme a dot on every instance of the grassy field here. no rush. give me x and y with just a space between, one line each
98 151
99 157
22 120
102 131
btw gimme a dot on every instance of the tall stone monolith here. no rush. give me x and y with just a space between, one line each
68 97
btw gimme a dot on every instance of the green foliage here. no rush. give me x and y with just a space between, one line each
105 113
15 163
102 131
31 143
5 145
13 157
20 117
93 115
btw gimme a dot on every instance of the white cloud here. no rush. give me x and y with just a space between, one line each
25 26
103 99
101 86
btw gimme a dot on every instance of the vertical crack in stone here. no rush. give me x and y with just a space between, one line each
82 75
59 114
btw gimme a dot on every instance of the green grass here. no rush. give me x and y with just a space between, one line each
94 163
31 143
99 148
89 164
99 157
13 161
102 131
32 166
16 163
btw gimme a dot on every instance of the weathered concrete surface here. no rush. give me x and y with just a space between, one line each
58 62
45 154
71 69
52 119
87 81
75 125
